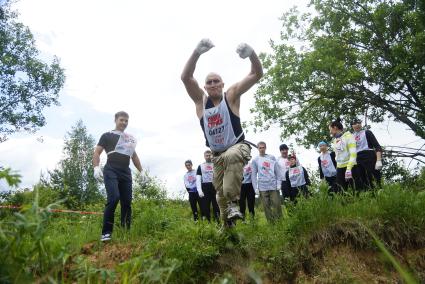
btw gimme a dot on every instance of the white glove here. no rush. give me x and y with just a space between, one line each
257 192
244 50
378 165
98 174
201 193
348 175
199 186
204 45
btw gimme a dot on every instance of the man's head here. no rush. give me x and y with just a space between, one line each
214 85
292 160
262 147
323 146
356 124
121 120
188 164
284 150
208 156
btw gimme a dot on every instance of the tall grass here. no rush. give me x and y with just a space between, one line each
164 245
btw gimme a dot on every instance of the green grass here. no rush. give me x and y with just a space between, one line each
164 245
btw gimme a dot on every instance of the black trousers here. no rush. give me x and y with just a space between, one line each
194 201
209 200
332 184
247 196
288 192
366 161
342 184
118 184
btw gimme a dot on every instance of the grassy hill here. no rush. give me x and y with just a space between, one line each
375 237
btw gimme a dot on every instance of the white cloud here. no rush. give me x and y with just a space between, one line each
29 157
128 55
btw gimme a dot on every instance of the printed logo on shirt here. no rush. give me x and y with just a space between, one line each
325 163
128 138
266 165
191 179
265 168
247 169
339 145
296 171
215 120
357 138
208 168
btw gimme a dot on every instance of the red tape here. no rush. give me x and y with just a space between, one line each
56 210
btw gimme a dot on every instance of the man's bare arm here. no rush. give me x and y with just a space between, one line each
136 161
96 156
190 83
236 90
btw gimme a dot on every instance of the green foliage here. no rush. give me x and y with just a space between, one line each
145 269
148 187
164 245
12 179
73 178
27 84
351 57
28 252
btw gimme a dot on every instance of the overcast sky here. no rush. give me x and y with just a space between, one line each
128 55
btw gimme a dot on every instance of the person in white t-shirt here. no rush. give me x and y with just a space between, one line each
190 185
266 182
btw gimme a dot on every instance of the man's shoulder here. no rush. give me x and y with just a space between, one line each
271 157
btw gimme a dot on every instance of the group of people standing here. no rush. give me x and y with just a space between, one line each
202 193
228 180
356 161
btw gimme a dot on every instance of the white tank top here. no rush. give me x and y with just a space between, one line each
296 176
218 127
327 165
247 171
361 141
126 144
207 170
190 180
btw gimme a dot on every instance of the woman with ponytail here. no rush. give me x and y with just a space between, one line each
344 146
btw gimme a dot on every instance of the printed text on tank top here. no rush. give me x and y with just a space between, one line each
361 141
218 124
247 171
266 168
190 180
126 144
340 144
265 177
328 167
296 176
207 170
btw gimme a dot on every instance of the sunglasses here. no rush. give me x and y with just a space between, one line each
215 81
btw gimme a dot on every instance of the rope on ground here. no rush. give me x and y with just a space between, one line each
56 210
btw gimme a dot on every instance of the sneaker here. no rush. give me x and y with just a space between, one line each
233 212
105 238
